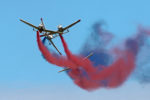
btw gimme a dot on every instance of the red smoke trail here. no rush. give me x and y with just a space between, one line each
118 72
115 74
90 77
76 59
59 61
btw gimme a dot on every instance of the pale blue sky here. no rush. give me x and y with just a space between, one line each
21 63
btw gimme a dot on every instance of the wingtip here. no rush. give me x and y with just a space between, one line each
60 53
59 71
21 19
91 53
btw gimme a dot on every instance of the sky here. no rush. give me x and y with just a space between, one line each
24 74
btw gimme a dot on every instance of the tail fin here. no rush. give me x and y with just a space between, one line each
42 22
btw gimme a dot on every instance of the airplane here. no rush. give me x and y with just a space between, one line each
83 59
41 28
61 29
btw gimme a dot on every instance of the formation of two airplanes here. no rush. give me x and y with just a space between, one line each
49 34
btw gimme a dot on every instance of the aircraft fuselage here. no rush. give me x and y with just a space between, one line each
41 29
60 29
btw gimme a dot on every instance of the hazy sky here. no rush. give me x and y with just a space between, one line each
24 74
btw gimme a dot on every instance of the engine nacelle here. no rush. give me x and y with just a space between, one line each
40 25
59 26
50 36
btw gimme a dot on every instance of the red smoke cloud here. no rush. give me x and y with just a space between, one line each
88 76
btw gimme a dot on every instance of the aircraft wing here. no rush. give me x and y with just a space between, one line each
71 24
28 24
83 59
65 69
51 32
57 35
55 46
